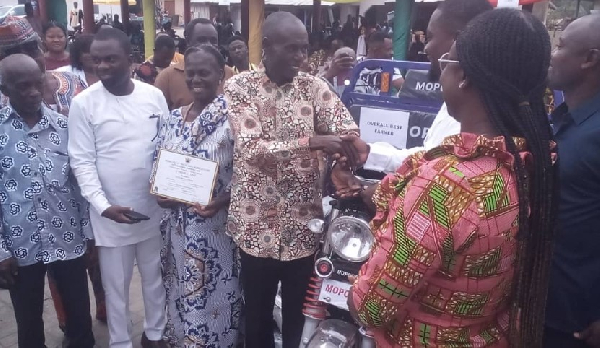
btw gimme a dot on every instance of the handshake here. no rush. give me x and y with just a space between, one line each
349 151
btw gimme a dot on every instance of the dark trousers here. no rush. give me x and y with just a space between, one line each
27 297
260 277
93 268
558 339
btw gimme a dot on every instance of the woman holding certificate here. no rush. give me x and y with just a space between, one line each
200 267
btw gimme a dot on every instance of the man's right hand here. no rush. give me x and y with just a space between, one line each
115 213
362 148
9 269
336 147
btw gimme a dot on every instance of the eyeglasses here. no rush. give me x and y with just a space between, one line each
444 61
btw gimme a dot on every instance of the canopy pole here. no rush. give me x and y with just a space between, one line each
256 17
577 8
187 11
244 9
88 16
402 20
149 8
43 11
316 19
125 15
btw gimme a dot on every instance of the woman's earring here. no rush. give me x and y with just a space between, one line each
462 85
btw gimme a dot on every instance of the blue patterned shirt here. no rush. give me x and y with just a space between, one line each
43 215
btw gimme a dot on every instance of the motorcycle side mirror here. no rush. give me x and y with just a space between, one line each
316 225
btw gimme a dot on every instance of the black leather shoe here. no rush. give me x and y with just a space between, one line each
146 343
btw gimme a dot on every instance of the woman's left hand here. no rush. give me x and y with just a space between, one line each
167 203
346 184
206 211
212 208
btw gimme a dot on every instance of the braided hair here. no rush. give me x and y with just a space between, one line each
505 53
210 49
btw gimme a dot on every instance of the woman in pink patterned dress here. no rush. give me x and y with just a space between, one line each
463 231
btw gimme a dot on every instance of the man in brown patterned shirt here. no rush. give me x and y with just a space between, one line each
280 120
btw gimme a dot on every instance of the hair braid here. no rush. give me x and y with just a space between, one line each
505 54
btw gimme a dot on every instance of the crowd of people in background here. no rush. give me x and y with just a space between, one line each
464 225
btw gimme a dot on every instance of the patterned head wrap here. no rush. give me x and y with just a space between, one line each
14 32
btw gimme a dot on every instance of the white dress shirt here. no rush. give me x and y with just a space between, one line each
112 140
386 158
361 47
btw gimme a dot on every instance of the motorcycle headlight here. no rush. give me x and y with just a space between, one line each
351 238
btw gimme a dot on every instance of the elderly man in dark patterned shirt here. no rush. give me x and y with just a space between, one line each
43 221
280 120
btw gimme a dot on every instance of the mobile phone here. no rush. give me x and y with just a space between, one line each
135 216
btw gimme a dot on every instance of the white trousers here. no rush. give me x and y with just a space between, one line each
116 265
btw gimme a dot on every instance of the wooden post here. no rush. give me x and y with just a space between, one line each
187 11
256 17
125 15
149 8
316 18
244 9
43 10
88 16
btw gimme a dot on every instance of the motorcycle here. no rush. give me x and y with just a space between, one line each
345 244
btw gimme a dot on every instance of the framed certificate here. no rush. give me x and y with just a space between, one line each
184 178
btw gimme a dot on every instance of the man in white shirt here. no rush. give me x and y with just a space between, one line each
447 20
113 127
74 19
380 46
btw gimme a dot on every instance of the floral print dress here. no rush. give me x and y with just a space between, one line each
200 264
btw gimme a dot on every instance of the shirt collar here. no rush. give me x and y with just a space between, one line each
179 66
266 81
583 111
251 66
469 146
48 119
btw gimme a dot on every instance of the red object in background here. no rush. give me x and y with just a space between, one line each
521 2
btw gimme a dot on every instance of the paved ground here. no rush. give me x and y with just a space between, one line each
8 327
